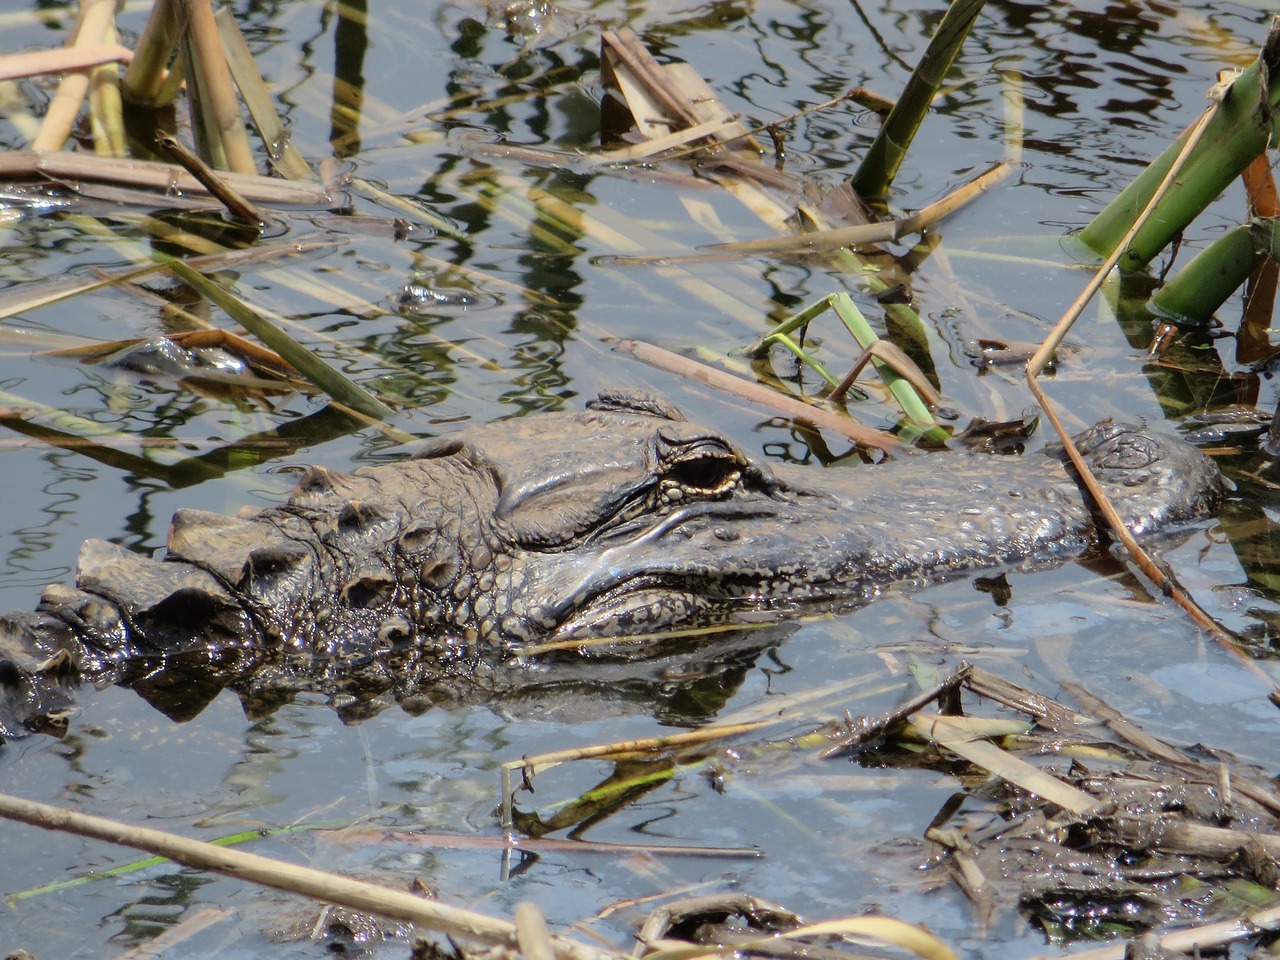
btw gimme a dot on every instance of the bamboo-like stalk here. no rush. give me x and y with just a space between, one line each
880 165
219 108
145 78
1189 145
1242 126
90 31
106 108
1214 274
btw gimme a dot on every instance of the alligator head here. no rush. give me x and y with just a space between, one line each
630 521
621 521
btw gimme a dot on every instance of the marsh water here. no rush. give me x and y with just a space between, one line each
420 105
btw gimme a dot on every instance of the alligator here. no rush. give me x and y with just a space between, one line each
615 531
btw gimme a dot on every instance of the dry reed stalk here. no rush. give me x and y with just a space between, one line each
144 81
623 49
145 174
755 393
965 738
661 144
91 27
675 97
316 884
1138 555
218 107
106 108
15 66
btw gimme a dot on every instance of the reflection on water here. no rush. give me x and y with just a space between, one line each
523 325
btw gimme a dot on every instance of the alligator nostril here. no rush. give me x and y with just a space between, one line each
367 590
1129 451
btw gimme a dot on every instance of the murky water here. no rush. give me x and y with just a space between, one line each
527 328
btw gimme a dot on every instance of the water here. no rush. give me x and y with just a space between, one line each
1107 86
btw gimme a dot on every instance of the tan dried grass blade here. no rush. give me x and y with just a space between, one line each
284 156
959 737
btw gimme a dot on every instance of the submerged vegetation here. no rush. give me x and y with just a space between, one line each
257 261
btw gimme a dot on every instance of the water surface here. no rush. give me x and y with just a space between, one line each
1107 86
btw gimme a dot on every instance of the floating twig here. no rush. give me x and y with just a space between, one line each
239 208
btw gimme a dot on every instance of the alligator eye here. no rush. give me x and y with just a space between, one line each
705 474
